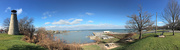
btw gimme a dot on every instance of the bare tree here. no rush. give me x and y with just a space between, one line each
26 27
30 31
6 24
25 24
139 22
171 14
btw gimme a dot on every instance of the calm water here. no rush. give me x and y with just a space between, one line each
80 36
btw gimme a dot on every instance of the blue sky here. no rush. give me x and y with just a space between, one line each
80 14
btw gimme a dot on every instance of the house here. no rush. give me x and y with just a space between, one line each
2 31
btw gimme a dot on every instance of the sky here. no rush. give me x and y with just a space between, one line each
80 14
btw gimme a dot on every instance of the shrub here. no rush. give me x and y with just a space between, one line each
48 41
129 35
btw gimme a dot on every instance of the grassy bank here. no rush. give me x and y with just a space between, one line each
91 47
154 43
14 42
149 42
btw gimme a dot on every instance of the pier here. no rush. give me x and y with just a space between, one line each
103 35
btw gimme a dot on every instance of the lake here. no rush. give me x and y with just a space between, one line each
81 36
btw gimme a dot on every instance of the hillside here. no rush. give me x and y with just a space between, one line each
14 42
155 43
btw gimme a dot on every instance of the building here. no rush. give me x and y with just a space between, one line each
13 27
106 32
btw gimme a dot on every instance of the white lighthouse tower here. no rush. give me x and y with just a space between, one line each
13 27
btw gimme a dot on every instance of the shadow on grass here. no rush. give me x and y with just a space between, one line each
26 47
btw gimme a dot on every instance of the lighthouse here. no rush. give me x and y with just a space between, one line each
13 27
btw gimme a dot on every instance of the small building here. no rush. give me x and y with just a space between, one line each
2 31
106 32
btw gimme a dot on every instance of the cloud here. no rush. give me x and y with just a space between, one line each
19 11
54 11
90 21
44 17
85 26
87 13
1 27
161 22
81 15
48 14
45 13
47 22
67 22
9 8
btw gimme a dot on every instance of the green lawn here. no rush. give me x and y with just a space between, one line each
149 42
91 47
14 42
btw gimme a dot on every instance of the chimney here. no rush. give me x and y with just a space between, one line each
13 27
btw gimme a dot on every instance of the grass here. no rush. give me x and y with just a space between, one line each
14 42
110 40
91 47
149 42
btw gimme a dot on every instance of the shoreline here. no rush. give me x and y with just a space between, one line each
84 44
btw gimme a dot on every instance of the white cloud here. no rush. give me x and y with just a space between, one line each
161 22
1 27
47 22
54 11
81 15
44 17
9 8
48 14
45 13
90 21
85 26
19 11
87 13
67 22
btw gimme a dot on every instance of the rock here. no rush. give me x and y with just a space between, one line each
129 40
162 36
110 45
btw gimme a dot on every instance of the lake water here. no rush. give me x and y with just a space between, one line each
81 36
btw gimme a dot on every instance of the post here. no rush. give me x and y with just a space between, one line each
156 23
13 27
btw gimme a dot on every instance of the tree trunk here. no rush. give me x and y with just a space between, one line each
140 34
31 36
173 31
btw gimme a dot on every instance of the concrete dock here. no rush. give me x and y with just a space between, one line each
103 35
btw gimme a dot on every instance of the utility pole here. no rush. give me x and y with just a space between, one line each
156 23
